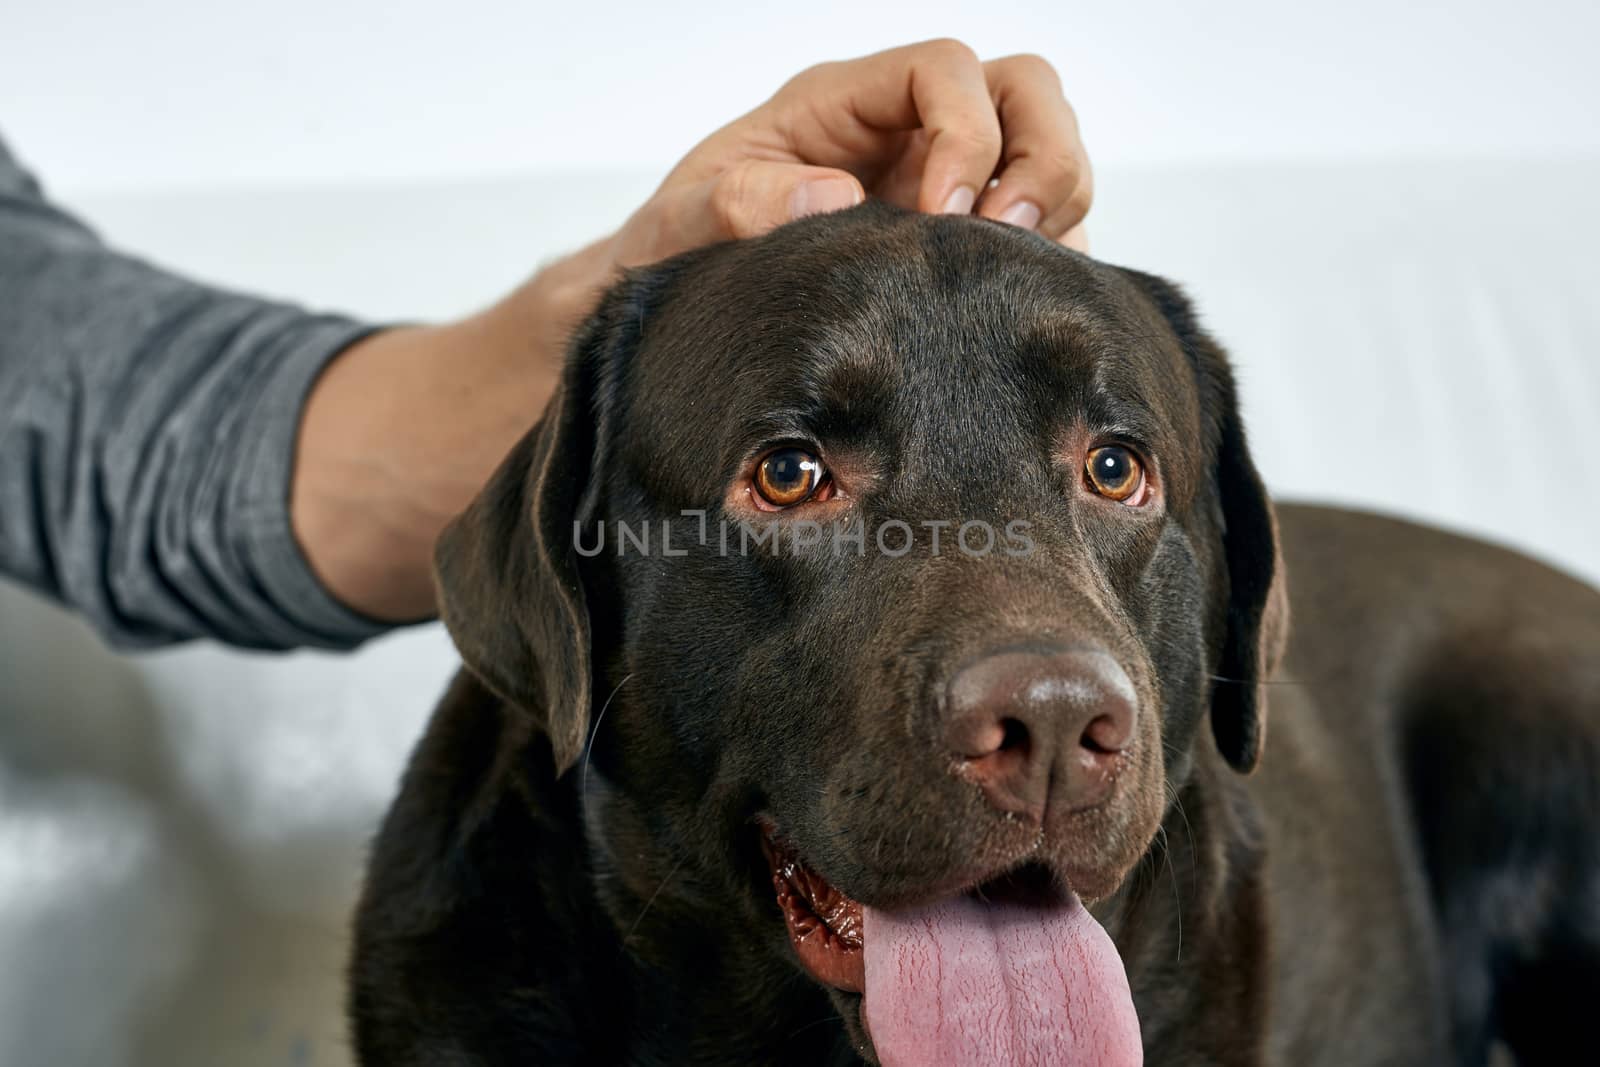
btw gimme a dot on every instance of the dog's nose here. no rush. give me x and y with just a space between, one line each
1036 728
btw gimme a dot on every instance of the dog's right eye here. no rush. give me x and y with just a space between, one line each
788 477
1115 473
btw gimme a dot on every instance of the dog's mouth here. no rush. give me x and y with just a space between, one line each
1012 970
824 925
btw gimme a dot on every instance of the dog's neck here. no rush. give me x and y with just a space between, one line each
689 973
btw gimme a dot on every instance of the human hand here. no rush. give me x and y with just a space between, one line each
403 427
927 126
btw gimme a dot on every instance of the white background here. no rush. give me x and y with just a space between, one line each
160 93
1386 210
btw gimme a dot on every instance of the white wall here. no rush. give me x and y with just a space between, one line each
158 93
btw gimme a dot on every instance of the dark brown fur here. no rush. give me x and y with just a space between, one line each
571 873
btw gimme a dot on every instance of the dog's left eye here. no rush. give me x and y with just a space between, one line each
1115 473
788 477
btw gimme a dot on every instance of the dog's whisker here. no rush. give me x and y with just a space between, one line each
1177 899
676 867
1293 682
1177 804
588 749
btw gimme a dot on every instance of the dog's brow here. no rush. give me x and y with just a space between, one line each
832 396
777 424
849 398
1114 411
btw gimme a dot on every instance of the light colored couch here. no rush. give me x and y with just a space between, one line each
181 833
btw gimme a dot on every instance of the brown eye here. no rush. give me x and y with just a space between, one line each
1115 473
788 477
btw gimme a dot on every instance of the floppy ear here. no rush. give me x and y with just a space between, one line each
1256 619
1257 628
509 587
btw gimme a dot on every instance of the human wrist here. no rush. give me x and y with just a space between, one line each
404 427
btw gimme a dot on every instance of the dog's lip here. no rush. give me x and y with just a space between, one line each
825 924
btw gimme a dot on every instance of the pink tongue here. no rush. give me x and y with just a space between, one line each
969 982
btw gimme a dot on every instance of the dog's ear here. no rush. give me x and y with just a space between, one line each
1257 628
1256 620
506 569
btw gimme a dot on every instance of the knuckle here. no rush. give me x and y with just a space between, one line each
1065 164
950 50
1073 211
731 201
1083 194
1070 211
1030 66
975 138
803 81
969 146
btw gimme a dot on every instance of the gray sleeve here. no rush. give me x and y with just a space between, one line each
147 430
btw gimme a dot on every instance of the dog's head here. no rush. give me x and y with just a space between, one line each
882 563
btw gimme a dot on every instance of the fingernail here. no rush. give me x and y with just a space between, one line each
1022 213
960 201
823 195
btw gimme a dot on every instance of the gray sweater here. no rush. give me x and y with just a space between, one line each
147 429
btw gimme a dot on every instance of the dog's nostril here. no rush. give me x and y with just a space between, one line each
975 741
979 738
1105 735
1013 736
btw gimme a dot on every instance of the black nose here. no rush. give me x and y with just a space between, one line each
1040 728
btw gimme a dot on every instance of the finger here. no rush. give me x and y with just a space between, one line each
1045 182
1076 238
901 184
745 200
840 112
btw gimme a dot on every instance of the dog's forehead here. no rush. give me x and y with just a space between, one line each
941 331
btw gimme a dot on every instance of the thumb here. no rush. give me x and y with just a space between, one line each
746 200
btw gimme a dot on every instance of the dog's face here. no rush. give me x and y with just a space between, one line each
882 559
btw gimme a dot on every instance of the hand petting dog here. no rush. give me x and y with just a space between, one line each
405 426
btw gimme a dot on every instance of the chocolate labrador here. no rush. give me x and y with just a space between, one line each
868 659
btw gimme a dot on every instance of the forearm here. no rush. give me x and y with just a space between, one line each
146 426
404 427
178 461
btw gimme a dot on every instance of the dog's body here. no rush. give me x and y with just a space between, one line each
1411 875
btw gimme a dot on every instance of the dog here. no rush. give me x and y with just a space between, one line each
868 659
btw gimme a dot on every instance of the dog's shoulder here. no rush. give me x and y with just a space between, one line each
475 905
